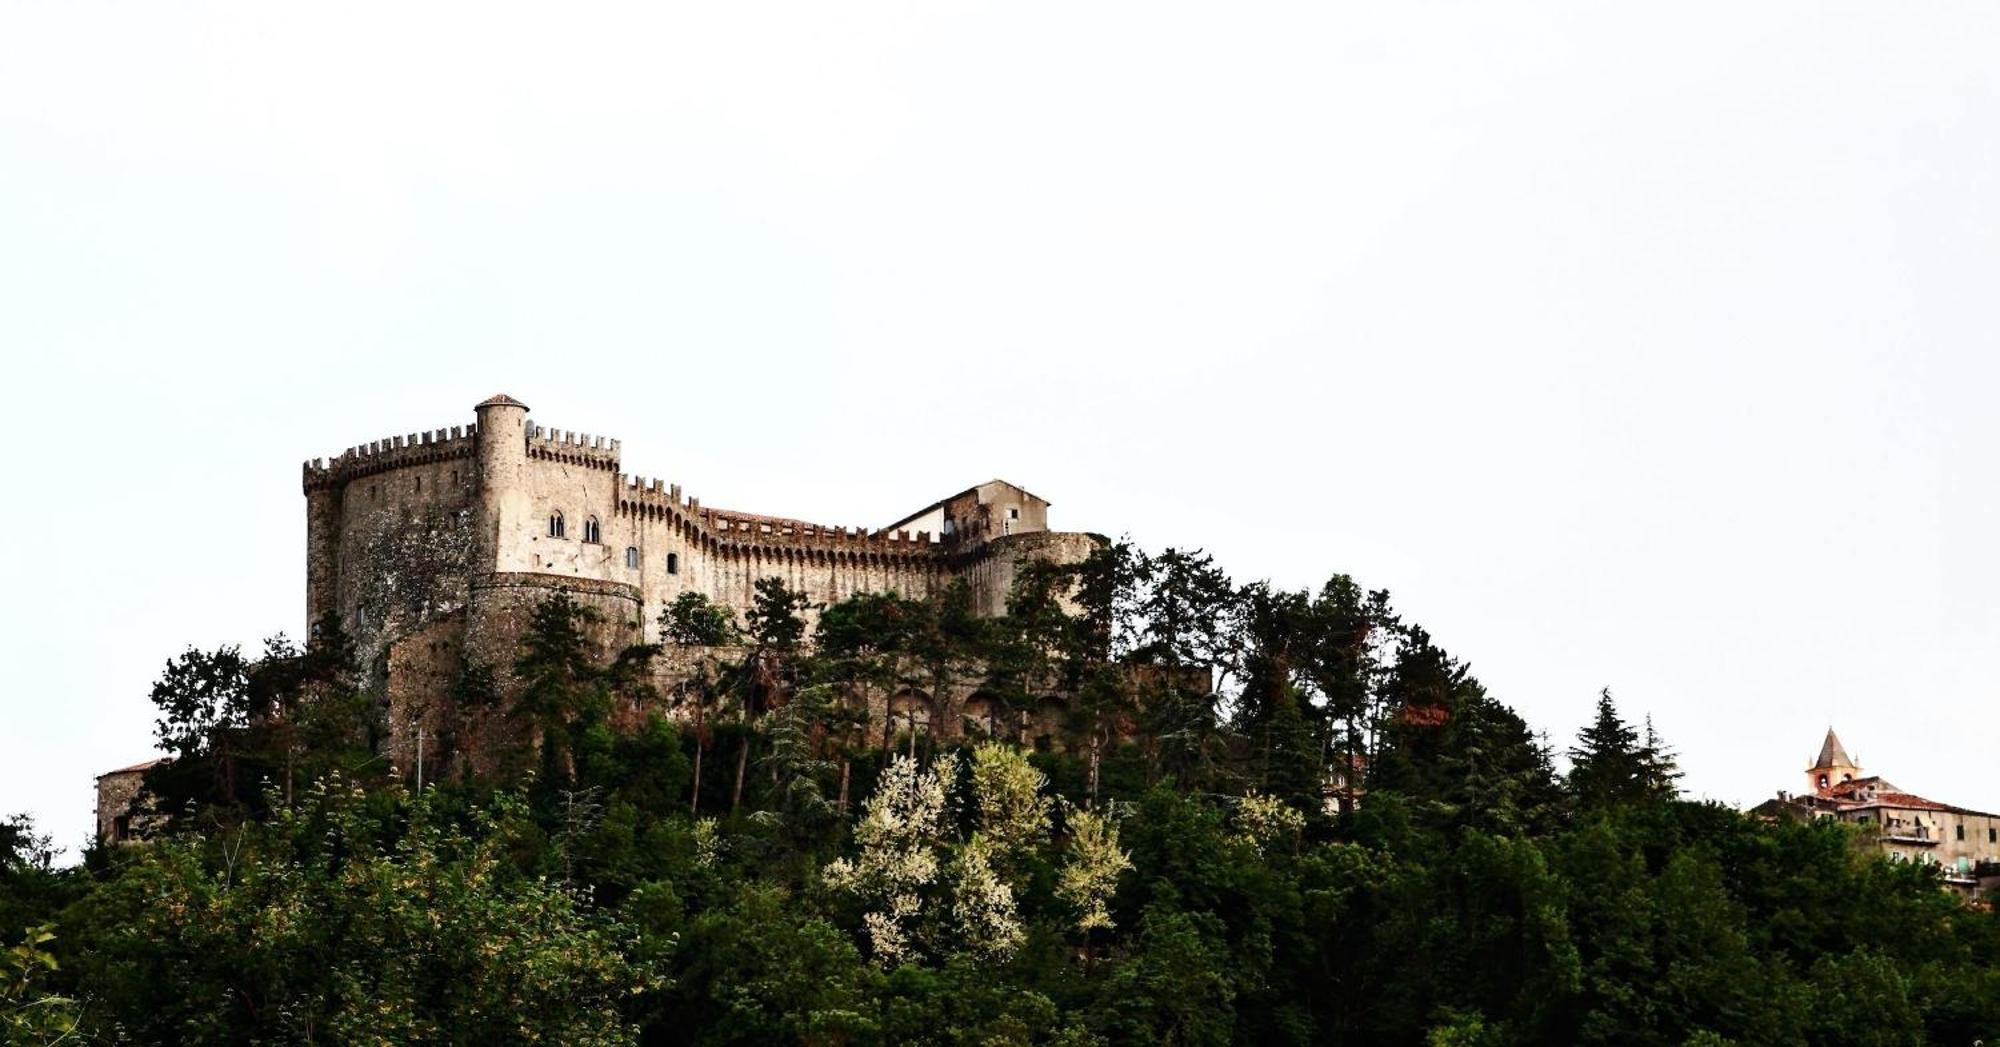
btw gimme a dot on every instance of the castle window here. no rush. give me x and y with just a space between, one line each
673 563
420 485
1822 781
556 524
1961 832
631 556
590 530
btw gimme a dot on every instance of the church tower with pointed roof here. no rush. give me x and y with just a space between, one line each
1831 767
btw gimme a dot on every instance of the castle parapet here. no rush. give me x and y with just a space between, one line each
641 496
595 452
390 452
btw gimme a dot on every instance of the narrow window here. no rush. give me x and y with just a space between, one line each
590 530
631 556
1961 832
1992 835
673 563
556 524
420 485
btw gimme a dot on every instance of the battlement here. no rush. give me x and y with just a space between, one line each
596 452
390 452
647 496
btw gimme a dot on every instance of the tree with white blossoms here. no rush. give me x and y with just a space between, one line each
1012 813
927 892
900 832
1090 877
1265 820
1011 818
985 919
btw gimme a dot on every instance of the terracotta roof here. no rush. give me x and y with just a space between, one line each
1889 796
1859 785
1831 753
500 400
137 767
1911 800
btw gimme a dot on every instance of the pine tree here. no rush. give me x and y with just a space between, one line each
1608 768
1660 771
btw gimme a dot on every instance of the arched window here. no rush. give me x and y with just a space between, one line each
631 556
556 524
673 563
590 530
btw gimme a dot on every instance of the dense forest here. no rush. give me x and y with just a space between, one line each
1264 816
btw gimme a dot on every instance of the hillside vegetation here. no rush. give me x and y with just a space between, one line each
1262 817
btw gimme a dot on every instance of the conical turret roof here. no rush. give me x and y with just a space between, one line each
1831 753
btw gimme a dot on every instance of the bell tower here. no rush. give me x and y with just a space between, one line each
1832 767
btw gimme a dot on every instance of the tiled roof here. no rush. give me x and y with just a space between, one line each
500 400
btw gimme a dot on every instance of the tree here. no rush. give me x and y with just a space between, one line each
777 628
693 620
1344 665
29 1012
561 686
1660 771
1090 877
1188 615
355 917
203 699
1274 712
863 642
1608 767
900 834
798 760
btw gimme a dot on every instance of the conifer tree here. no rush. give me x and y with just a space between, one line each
1661 773
1608 767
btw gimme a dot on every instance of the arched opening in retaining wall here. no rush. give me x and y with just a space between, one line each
910 713
984 716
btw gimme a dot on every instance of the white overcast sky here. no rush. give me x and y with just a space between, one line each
1640 345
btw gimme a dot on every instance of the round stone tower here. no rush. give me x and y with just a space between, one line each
501 452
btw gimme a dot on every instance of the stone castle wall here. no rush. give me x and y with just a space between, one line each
432 549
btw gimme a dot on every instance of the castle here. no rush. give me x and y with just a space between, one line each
1963 843
432 549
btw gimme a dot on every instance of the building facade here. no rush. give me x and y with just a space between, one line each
1964 844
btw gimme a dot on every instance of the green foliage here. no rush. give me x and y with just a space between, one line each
1271 816
692 619
356 916
29 1012
776 619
